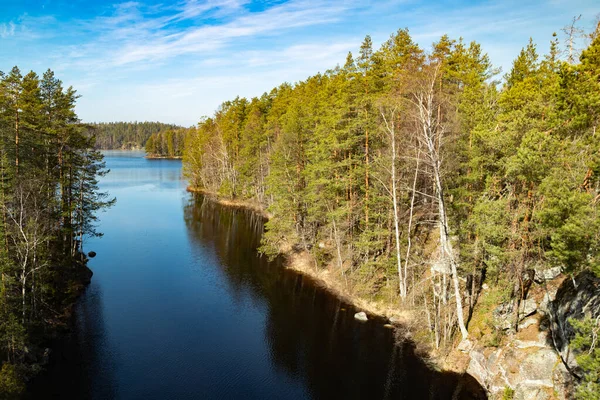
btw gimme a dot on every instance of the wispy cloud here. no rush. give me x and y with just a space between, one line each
134 35
7 30
329 54
179 59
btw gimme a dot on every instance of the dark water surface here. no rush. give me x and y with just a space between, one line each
182 307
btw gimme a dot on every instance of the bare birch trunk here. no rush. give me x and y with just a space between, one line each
431 133
394 192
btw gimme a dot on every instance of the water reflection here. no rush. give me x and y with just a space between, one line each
182 307
311 334
80 367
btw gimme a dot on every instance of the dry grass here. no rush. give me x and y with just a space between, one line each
303 263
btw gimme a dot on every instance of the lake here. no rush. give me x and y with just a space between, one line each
182 306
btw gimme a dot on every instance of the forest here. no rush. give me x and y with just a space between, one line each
167 143
49 198
418 176
126 135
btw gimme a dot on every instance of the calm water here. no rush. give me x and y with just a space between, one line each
182 307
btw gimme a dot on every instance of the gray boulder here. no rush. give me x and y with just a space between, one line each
546 274
527 307
361 316
504 313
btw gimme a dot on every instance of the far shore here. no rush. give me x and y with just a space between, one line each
148 156
154 157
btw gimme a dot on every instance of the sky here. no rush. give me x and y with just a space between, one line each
176 61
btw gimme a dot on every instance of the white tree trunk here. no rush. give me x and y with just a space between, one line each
431 133
390 127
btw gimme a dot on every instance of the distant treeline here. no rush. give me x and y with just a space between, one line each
167 143
126 135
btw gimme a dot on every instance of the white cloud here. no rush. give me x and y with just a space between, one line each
7 30
124 60
167 43
185 100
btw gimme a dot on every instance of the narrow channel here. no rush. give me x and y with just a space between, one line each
182 306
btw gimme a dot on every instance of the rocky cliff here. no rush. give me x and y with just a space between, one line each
534 360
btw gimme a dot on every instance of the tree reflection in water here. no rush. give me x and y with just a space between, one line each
312 335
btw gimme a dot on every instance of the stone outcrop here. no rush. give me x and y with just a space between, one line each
577 299
547 274
527 363
536 361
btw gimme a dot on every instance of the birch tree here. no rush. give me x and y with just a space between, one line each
390 128
431 126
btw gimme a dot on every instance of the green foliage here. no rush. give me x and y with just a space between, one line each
340 160
11 383
508 393
585 344
49 198
127 135
168 143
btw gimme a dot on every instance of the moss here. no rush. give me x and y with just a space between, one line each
508 393
494 339
483 324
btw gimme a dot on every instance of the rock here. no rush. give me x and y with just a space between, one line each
503 315
46 356
388 326
527 323
527 361
546 300
546 274
528 391
92 254
526 344
85 275
477 368
533 372
361 316
537 373
538 367
573 301
526 308
465 346
563 382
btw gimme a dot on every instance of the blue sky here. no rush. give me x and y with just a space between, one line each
177 61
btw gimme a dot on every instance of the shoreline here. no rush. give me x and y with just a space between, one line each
147 156
302 263
401 321
234 203
44 346
151 157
